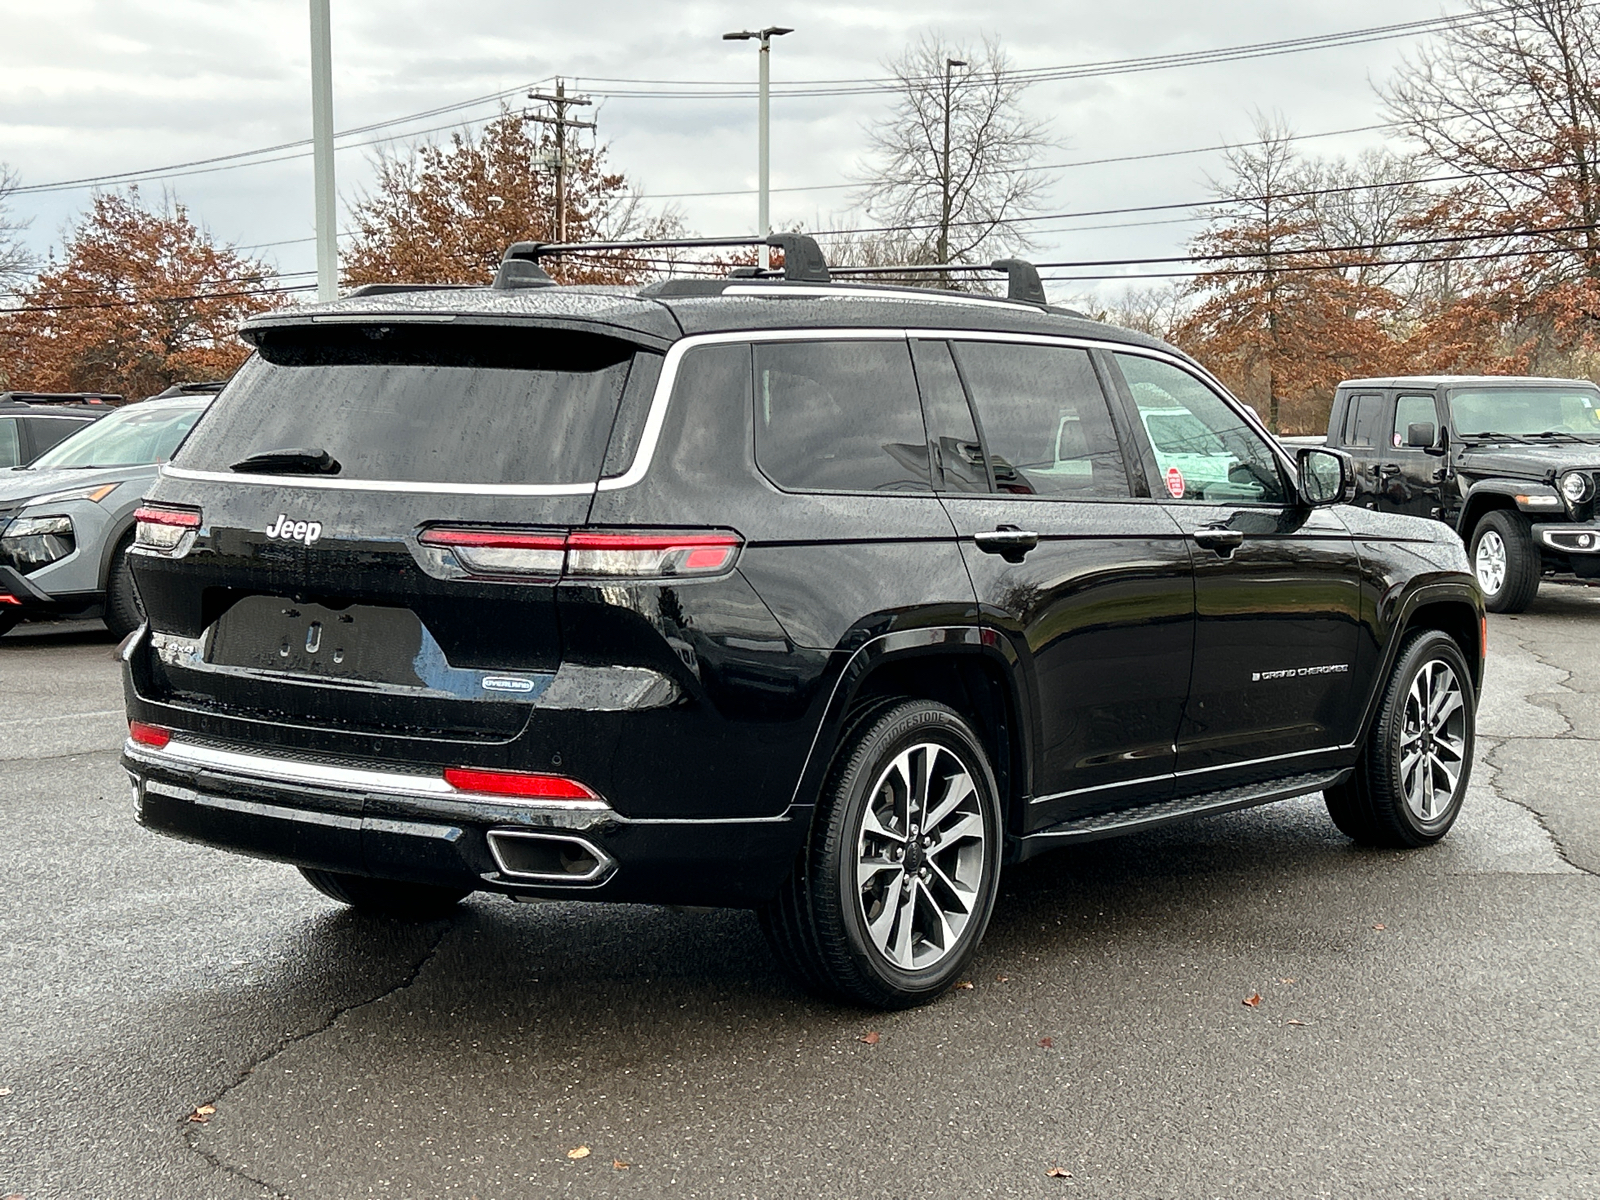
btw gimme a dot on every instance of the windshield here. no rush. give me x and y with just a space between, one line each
130 437
465 405
1526 412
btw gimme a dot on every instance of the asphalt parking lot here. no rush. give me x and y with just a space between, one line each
1428 1022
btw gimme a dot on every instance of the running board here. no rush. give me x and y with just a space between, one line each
1165 812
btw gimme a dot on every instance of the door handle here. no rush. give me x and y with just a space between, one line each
1389 469
1009 542
1219 538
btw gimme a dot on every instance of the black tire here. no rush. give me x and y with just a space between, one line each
124 612
821 925
1383 804
387 897
1509 533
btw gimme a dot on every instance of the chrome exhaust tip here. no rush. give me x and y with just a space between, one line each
561 859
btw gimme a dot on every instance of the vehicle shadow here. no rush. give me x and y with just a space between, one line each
57 634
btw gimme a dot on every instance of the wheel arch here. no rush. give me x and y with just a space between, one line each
120 531
1453 607
965 667
1483 498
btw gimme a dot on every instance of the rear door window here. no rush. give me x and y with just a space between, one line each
839 416
1044 420
10 446
1363 420
455 405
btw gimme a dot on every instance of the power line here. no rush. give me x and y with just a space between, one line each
798 88
1403 262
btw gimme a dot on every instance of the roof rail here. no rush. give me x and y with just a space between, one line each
107 398
1022 277
803 261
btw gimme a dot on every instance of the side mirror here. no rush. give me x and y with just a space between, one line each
1326 476
1421 436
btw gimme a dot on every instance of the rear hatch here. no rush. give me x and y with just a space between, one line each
307 594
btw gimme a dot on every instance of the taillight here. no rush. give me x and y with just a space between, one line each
588 553
648 556
164 530
149 735
517 783
496 552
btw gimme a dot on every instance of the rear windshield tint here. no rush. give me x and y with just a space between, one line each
423 405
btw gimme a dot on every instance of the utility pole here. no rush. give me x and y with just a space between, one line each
561 102
945 177
763 216
325 202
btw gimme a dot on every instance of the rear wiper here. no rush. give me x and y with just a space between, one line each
298 461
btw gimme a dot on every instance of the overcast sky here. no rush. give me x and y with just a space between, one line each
90 88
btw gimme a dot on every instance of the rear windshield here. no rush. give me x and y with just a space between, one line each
422 404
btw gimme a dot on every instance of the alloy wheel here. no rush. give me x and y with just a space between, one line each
920 856
1490 562
1433 741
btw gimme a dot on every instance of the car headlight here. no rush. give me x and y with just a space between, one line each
29 543
97 493
1576 487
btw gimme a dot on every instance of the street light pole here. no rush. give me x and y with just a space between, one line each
944 176
325 203
763 216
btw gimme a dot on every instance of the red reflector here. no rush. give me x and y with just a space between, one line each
490 539
517 783
149 735
167 516
1483 638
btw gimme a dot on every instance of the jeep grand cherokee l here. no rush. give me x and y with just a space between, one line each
823 599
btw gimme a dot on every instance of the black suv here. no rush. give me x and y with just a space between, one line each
818 598
1511 463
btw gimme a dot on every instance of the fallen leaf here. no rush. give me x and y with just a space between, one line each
5 1091
1253 1000
202 1114
13 1196
1292 1021
964 986
871 1039
1048 1043
578 1152
618 1165
1002 979
1058 1173
1379 927
1287 981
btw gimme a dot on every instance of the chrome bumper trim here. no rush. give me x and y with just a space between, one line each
181 755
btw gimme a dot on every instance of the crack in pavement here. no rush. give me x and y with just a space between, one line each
189 1130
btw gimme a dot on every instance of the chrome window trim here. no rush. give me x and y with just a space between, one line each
181 754
661 400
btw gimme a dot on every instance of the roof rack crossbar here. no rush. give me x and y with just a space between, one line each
803 260
1022 277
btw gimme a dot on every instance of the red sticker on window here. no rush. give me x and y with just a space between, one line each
1175 482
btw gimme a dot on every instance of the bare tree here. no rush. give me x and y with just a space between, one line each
1512 99
952 166
15 258
1159 310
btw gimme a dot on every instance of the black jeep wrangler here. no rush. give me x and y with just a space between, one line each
1511 463
820 598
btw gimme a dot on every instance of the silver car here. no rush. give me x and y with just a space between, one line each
66 520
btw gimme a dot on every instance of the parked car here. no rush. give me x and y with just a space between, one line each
32 422
823 599
66 520
1512 463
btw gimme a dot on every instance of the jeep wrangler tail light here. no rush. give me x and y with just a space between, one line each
588 553
165 530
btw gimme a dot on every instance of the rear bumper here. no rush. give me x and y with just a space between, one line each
412 827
